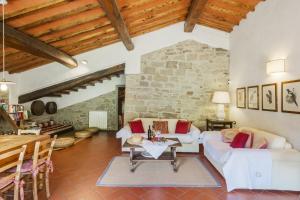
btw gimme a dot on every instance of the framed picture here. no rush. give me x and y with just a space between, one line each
269 97
253 97
241 97
290 96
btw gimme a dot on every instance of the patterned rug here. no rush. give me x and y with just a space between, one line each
191 173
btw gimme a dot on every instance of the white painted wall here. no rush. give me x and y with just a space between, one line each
271 32
116 54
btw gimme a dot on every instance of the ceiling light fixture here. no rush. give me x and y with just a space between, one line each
4 82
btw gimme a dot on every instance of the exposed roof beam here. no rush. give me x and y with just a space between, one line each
54 95
21 41
77 83
194 14
113 13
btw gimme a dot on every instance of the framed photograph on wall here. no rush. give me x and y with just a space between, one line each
241 97
290 96
269 97
253 97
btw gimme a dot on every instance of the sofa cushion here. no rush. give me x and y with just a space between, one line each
240 140
183 127
249 142
136 126
161 126
228 134
274 141
262 143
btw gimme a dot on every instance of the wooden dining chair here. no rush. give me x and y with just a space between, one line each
42 163
39 164
9 180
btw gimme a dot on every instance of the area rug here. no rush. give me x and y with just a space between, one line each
191 173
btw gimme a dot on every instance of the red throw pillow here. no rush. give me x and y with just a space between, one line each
240 140
183 127
136 126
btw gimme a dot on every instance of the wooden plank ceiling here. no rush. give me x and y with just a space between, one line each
77 26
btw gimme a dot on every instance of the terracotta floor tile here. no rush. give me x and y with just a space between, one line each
77 169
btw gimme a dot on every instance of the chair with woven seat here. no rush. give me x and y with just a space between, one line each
9 180
40 163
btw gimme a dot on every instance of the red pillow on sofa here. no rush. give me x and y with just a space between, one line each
136 126
240 140
183 127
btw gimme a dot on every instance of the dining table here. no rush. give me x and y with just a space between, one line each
11 142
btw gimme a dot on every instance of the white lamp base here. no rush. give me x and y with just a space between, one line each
221 112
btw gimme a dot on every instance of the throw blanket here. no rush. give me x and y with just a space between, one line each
156 149
248 168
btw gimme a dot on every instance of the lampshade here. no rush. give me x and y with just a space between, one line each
275 66
221 97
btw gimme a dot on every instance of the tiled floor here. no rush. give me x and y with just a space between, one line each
77 169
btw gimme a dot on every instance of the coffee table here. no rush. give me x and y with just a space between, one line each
166 156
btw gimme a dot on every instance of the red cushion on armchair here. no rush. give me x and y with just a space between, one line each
136 126
240 140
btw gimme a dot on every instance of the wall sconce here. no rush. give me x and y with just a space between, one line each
276 66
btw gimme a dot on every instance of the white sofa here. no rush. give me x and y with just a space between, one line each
247 166
190 141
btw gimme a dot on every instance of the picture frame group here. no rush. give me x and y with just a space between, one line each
251 96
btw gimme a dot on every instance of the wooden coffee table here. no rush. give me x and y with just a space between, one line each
166 156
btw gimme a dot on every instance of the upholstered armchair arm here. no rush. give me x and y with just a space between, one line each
125 132
211 135
195 132
286 169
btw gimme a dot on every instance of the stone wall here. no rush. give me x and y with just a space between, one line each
5 127
78 114
178 82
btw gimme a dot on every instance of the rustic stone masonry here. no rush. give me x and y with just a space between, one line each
178 82
5 127
78 114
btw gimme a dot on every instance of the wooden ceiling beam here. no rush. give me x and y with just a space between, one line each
54 95
194 13
113 13
64 92
21 41
71 84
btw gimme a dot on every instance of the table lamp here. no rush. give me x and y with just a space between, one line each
221 98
